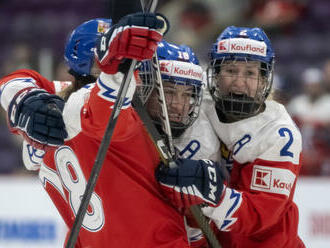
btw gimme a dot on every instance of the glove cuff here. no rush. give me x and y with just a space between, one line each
110 68
166 26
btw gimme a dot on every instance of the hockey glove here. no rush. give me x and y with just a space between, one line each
37 116
135 36
192 182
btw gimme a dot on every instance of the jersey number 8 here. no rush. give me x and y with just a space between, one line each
73 179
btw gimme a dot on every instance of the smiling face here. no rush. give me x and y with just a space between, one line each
240 78
179 101
239 87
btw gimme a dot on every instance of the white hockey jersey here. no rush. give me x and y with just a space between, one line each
257 208
199 141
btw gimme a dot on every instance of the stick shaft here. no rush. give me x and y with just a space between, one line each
103 147
196 210
100 157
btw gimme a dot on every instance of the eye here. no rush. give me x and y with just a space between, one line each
169 91
187 94
251 73
229 70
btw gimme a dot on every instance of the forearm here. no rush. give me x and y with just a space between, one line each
98 108
19 80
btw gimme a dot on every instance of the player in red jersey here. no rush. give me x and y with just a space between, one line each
262 147
79 57
126 208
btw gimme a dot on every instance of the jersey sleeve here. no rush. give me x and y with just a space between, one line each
261 191
99 105
13 83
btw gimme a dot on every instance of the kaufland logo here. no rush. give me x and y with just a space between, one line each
190 72
247 48
181 69
221 46
241 45
165 67
282 185
262 178
274 180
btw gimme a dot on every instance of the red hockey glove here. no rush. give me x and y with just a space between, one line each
37 116
192 182
134 37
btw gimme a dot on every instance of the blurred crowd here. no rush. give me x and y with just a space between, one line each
34 34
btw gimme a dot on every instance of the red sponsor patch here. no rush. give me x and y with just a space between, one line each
262 178
272 179
165 66
222 46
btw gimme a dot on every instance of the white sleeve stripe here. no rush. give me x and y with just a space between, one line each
16 85
109 86
222 215
71 113
191 191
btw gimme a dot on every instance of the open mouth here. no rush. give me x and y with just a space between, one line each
176 118
239 96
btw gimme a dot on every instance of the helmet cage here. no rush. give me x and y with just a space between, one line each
146 80
235 46
239 106
149 95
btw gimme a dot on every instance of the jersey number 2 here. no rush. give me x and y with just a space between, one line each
285 150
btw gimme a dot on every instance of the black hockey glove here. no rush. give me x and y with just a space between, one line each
37 116
192 182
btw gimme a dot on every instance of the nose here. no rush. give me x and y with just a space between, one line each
238 83
177 101
176 107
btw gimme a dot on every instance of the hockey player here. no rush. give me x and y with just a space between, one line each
185 74
127 177
255 209
79 57
193 135
182 80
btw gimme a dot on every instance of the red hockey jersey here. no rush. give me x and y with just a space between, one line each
126 207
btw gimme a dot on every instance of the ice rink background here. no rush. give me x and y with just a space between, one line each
29 219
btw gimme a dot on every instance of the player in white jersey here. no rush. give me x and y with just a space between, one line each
193 135
182 77
260 141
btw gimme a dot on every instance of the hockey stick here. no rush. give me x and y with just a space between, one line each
95 172
162 101
167 154
166 157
